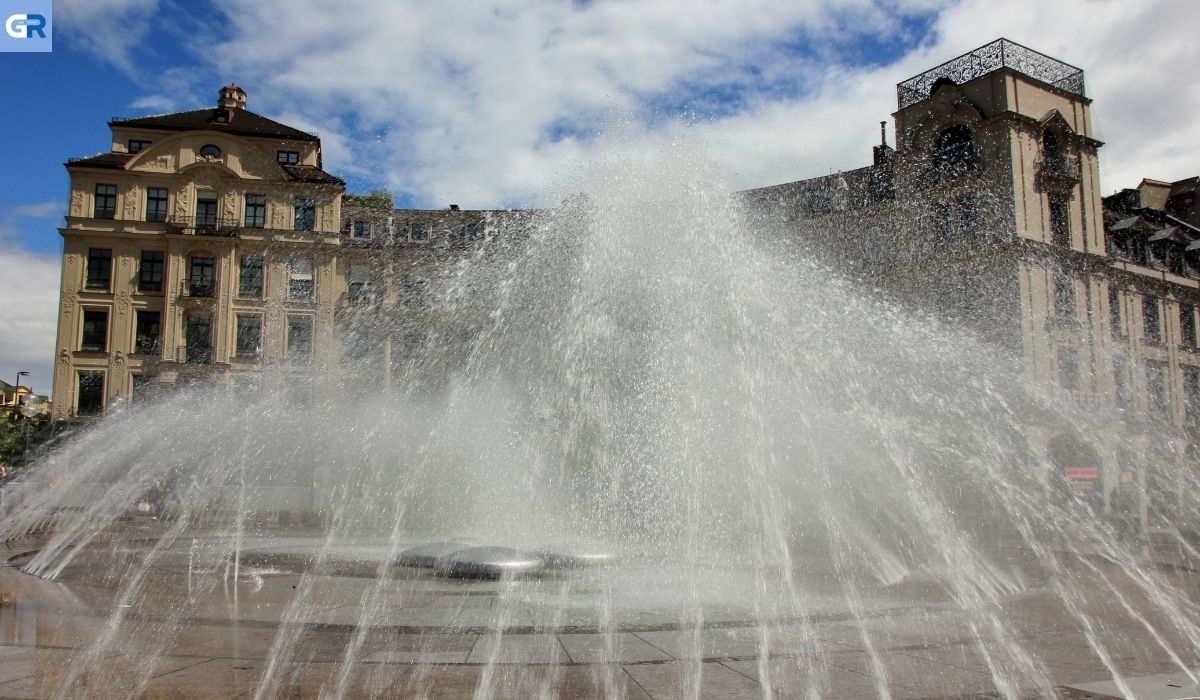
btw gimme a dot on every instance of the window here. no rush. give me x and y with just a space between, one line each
306 214
287 157
106 202
210 151
256 211
1120 382
150 272
1068 368
249 335
954 151
359 289
361 229
145 388
201 280
1156 388
1187 325
475 231
95 330
199 338
156 204
250 278
1151 325
1115 317
943 220
420 231
299 337
99 269
148 329
1064 297
1139 252
137 145
1060 220
1051 148
90 399
300 280
1173 258
1191 393
206 213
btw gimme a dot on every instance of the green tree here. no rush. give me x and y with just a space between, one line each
380 199
18 433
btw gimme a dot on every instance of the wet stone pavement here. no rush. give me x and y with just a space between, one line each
443 638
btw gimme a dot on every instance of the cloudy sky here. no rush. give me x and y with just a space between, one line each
489 103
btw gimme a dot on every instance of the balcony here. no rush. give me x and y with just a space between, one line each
204 225
1001 53
1062 168
198 289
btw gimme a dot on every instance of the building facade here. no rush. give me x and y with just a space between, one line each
200 245
988 212
210 246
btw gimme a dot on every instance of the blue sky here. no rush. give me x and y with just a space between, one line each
492 103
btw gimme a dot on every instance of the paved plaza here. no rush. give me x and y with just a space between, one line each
448 638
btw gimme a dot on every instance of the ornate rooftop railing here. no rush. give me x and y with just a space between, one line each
1001 53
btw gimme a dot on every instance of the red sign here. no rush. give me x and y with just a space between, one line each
1082 473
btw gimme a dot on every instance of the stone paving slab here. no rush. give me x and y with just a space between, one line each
717 643
518 649
621 647
1164 686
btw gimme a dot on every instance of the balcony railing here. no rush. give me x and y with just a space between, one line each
1064 166
204 225
1001 53
201 289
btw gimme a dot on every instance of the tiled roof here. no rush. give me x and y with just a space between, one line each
309 173
241 123
102 160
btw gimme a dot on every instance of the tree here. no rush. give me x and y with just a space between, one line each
18 433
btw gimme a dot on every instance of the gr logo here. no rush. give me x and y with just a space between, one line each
21 26
28 25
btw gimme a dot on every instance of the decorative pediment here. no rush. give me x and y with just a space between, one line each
1055 120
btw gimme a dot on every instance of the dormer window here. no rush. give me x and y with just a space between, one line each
137 145
288 157
210 151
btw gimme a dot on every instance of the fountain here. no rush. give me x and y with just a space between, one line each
643 448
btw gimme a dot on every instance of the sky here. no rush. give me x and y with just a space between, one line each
489 103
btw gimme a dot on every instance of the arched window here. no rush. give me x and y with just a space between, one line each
954 151
210 151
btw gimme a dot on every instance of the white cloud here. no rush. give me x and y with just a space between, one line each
42 210
29 286
489 103
110 29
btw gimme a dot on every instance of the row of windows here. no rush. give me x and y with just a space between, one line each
207 217
198 334
211 151
1157 385
414 230
1152 330
201 279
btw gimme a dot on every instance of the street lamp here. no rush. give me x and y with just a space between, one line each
16 394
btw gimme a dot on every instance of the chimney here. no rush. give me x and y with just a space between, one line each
883 152
231 97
